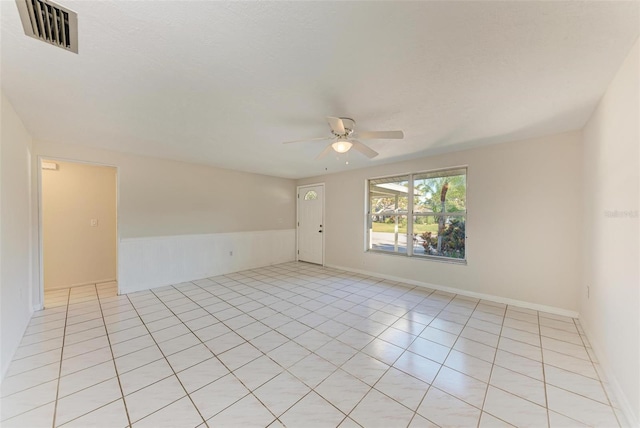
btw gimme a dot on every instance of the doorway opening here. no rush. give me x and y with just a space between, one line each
311 228
79 230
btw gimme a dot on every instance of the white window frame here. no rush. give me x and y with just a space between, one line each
410 214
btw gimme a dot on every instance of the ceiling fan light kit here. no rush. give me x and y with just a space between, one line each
342 146
343 130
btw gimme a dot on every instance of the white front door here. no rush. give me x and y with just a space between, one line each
311 223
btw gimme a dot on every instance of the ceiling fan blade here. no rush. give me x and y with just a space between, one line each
308 139
381 135
336 125
357 145
325 152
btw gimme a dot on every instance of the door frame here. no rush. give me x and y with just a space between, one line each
324 225
39 160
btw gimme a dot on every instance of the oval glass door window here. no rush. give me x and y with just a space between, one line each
310 195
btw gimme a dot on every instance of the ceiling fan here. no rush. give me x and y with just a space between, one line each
343 132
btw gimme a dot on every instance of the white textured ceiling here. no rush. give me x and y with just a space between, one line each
225 83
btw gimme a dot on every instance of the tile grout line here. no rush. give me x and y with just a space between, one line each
87 387
55 401
442 309
372 387
504 315
113 358
543 381
168 363
44 365
544 377
363 292
606 393
445 359
289 340
55 408
493 364
406 349
511 370
219 360
575 373
313 352
284 369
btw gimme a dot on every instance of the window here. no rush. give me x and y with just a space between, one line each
429 224
310 195
388 204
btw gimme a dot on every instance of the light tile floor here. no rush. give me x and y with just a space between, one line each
301 346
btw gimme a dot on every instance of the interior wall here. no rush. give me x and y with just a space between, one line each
523 224
75 251
15 232
609 297
159 197
192 218
164 260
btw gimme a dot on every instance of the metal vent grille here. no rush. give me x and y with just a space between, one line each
49 22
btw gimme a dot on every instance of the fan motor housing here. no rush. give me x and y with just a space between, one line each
348 123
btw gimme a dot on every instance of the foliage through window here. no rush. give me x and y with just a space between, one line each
310 195
430 223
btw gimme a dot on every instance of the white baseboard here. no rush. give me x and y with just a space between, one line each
612 387
497 299
158 261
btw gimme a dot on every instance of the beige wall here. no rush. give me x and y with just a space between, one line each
212 221
523 225
611 255
75 253
162 198
15 232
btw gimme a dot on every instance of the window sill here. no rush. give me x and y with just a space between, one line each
421 257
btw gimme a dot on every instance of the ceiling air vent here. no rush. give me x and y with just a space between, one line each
49 22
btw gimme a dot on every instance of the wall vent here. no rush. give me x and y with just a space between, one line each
44 20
